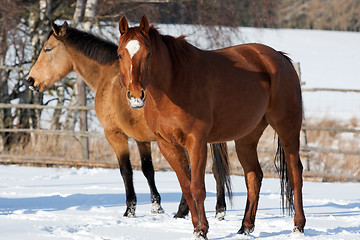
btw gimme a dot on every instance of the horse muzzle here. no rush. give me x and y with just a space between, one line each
136 102
30 82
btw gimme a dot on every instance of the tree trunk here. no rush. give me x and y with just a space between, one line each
6 119
79 12
89 15
71 114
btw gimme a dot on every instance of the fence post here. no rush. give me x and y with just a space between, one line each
83 118
305 160
303 138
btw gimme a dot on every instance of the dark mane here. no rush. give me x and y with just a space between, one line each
180 51
286 56
100 50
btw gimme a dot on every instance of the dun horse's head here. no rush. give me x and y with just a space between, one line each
134 53
53 63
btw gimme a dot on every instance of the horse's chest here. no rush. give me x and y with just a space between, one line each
172 123
115 115
133 124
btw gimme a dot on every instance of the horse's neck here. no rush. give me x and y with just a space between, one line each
161 72
92 72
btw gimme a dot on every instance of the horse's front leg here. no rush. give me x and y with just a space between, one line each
148 171
119 143
176 156
198 156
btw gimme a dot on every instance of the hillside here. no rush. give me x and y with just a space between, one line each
319 14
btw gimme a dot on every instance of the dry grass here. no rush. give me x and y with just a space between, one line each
338 164
320 14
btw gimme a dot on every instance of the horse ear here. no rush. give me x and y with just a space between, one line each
55 28
144 25
59 31
123 25
63 29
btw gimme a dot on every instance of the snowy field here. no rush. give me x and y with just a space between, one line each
51 203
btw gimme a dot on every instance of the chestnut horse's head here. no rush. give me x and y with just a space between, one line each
134 53
53 63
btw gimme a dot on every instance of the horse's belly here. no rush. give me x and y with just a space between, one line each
233 130
238 120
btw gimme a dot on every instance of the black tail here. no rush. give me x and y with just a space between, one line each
286 189
221 167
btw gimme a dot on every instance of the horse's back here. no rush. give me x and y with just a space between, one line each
284 85
256 80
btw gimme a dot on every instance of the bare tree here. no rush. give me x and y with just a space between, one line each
89 18
79 12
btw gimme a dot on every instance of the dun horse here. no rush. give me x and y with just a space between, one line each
194 97
95 60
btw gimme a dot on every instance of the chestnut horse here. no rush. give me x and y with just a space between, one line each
194 97
95 60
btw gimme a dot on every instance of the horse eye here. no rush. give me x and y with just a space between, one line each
47 49
148 55
120 56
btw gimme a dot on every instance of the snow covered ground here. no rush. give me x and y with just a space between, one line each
51 203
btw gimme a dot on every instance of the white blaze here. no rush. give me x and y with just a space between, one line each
131 73
133 47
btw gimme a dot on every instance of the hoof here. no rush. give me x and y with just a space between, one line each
199 236
220 215
245 231
298 230
182 213
156 208
130 212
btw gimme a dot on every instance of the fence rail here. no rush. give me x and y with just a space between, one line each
54 132
329 90
62 161
34 106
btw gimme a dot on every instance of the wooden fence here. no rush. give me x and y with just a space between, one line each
28 159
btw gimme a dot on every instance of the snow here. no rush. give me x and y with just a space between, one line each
60 203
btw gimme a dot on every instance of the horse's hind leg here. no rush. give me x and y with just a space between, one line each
148 171
289 136
247 154
183 209
286 120
221 172
220 196
119 143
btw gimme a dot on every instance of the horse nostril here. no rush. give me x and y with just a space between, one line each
142 94
31 81
128 95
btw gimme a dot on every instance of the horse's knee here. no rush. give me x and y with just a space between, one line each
198 192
